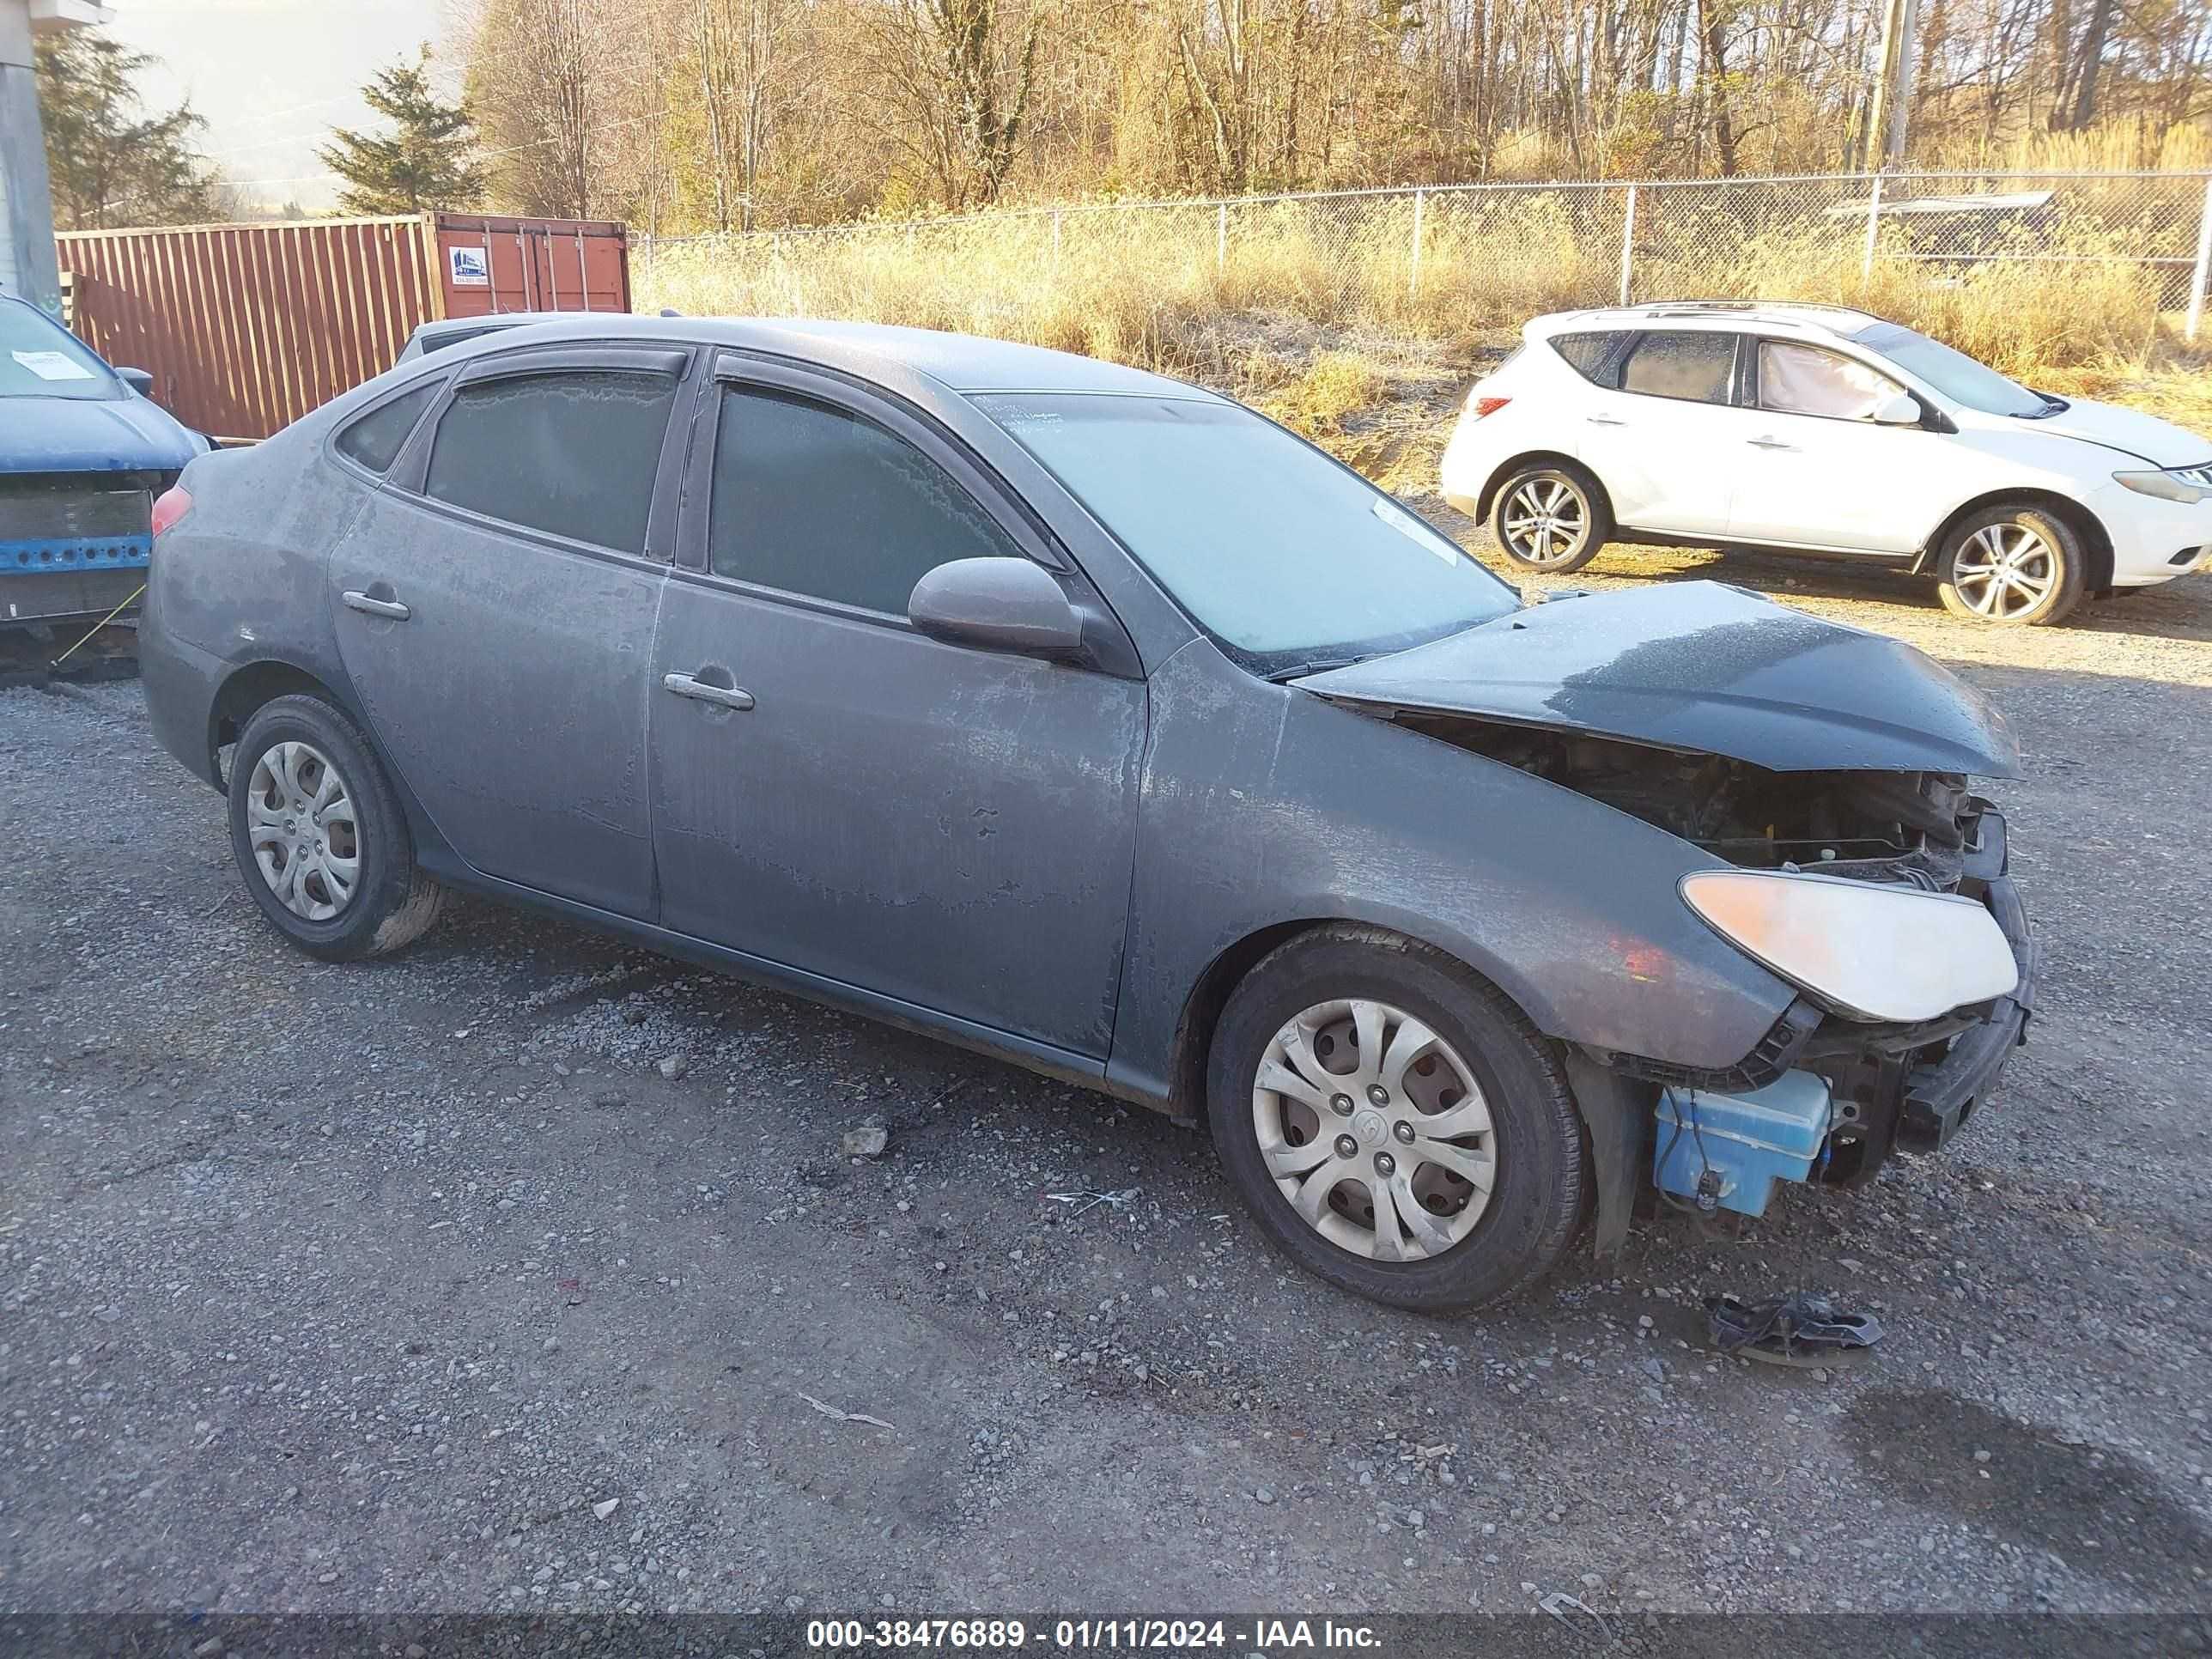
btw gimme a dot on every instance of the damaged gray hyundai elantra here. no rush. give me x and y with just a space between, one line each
1092 720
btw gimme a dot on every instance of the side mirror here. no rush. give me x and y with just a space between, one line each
1900 409
996 605
138 379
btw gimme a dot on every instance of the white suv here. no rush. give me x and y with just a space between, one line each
1821 430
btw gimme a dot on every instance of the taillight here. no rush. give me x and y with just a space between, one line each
1480 407
174 503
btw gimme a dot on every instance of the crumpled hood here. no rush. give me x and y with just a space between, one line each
1700 667
2130 431
74 434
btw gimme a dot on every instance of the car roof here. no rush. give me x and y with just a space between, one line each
956 362
1797 316
439 325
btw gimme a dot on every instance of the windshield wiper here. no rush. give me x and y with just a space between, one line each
1318 665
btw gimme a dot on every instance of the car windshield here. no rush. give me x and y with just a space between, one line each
1954 373
40 359
1283 556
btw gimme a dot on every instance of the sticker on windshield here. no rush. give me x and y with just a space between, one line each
1414 531
52 364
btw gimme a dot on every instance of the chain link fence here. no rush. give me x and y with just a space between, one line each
2088 263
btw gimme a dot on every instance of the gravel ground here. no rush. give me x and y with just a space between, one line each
526 1270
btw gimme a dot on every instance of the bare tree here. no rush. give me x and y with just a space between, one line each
741 113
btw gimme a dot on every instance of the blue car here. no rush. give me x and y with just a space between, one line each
83 452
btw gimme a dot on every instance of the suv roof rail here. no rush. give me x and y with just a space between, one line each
1692 307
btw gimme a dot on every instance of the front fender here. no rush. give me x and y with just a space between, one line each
1266 804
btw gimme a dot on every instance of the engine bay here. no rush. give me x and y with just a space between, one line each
1913 828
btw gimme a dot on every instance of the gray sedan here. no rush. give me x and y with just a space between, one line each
1091 719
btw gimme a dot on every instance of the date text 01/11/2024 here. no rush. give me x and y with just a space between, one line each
1078 1634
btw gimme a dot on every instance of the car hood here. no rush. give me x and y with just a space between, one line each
76 435
1699 667
2129 431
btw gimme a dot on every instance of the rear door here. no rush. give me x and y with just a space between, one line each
950 828
1662 430
1819 473
495 605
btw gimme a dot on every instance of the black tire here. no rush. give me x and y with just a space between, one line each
1582 497
2066 557
390 902
1542 1181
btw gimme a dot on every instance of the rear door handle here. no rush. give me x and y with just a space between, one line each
1603 420
1768 443
391 608
725 696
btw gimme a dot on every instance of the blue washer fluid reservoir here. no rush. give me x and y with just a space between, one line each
1739 1145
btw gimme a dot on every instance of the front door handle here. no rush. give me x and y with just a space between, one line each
1603 420
1768 443
725 696
375 607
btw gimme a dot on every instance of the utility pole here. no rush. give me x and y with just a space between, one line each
28 267
1892 87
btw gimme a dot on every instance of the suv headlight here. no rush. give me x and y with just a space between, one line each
2164 485
1867 951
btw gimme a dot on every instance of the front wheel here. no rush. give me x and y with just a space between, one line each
1393 1124
1552 518
2014 565
319 836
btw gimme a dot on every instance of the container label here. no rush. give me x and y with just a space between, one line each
469 266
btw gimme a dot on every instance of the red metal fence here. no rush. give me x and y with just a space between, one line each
247 328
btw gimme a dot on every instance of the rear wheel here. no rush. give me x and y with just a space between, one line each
1551 517
319 836
2015 567
1393 1124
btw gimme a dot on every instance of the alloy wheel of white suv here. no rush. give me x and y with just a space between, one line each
1826 431
1551 517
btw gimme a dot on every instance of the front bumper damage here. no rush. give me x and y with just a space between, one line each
1821 1098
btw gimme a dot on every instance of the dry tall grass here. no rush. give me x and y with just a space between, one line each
1178 287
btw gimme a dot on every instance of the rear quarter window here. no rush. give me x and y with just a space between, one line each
1596 358
375 441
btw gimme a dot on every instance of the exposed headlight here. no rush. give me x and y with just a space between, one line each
1870 952
2164 485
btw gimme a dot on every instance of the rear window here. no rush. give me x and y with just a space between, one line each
1696 366
374 439
571 451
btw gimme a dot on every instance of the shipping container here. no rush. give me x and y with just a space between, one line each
247 327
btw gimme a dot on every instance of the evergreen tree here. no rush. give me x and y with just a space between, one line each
111 163
429 160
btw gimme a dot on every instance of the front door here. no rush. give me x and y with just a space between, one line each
495 605
952 829
1666 441
1818 471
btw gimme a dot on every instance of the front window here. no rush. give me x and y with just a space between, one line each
1281 554
38 358
1799 379
816 500
1954 373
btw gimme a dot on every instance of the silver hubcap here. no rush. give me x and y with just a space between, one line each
299 820
1545 520
1374 1130
2005 570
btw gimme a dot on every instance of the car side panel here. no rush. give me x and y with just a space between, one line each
1265 804
239 580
